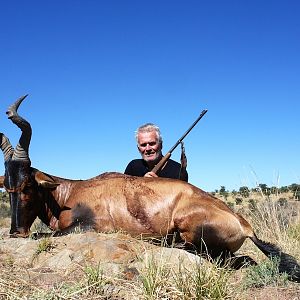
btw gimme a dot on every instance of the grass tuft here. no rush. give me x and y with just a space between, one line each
202 282
265 274
44 245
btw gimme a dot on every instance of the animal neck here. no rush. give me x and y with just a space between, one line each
55 201
50 209
62 192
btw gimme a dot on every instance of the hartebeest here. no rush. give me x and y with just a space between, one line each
113 201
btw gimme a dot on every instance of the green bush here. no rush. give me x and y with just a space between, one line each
4 197
264 274
4 210
238 200
297 195
244 191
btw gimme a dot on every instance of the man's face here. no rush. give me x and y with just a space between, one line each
149 146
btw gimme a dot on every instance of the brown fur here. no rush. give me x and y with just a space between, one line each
150 206
113 201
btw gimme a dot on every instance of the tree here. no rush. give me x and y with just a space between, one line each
284 189
223 192
264 188
244 191
222 189
294 187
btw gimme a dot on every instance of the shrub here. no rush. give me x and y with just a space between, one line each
4 197
231 205
244 191
44 245
294 231
238 201
283 202
252 205
96 281
4 210
264 274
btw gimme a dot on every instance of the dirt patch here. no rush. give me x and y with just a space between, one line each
273 293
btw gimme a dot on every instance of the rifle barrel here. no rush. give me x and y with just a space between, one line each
188 131
168 155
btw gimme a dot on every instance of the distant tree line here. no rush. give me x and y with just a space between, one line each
244 191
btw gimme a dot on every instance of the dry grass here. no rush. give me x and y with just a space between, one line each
4 214
157 278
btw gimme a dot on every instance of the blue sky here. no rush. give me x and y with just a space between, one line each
96 70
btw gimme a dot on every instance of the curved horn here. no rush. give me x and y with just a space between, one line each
6 147
12 109
21 151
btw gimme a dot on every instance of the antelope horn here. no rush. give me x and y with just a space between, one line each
12 109
21 151
6 147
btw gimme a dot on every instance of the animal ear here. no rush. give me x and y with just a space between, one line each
44 180
1 181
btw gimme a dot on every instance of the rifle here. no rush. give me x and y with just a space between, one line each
162 162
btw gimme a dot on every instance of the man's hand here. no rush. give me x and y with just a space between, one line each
150 174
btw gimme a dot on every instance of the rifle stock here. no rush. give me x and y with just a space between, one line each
165 158
161 163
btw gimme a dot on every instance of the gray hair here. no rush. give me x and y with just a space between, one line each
149 127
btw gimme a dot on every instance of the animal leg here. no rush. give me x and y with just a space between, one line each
65 219
77 219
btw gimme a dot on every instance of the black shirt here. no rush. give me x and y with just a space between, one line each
138 167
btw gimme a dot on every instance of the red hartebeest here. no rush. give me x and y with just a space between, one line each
113 201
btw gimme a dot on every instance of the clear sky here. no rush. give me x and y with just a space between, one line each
96 70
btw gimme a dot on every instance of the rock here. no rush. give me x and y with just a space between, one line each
48 260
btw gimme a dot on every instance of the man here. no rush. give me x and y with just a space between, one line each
149 143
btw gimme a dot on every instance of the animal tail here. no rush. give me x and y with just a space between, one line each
287 263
